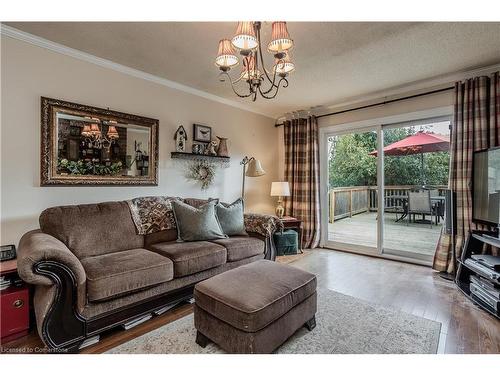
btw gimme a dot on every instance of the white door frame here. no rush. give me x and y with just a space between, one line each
357 127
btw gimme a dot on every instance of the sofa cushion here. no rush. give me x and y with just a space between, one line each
115 274
191 257
252 296
162 236
197 224
231 218
92 229
241 247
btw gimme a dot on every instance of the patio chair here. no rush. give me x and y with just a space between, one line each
394 205
419 203
438 207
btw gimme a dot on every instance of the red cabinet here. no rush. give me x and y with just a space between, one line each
14 307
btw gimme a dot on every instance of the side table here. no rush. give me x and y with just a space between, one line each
295 224
14 305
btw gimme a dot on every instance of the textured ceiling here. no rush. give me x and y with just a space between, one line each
335 61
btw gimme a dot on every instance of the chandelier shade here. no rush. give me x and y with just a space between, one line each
86 130
94 129
226 57
93 135
280 39
112 132
245 38
284 65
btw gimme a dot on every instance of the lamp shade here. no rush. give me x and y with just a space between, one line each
245 38
255 169
284 66
280 189
280 39
226 58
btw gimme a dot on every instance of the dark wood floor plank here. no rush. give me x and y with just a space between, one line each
489 337
119 337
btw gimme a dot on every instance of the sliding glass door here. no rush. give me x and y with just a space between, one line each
352 182
386 187
416 165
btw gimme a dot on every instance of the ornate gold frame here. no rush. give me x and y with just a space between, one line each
48 150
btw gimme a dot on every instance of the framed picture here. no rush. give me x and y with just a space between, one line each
202 133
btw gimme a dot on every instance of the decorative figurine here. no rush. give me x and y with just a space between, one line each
197 149
210 149
180 138
222 149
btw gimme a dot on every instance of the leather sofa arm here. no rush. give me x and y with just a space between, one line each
37 247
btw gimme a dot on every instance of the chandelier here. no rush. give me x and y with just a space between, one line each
253 74
94 136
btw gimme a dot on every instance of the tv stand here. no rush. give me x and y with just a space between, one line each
491 240
474 245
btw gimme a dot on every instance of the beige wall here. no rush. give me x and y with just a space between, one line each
29 72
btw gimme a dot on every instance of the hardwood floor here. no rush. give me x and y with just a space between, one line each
415 289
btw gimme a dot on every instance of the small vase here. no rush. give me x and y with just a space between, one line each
222 149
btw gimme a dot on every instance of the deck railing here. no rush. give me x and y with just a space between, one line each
352 200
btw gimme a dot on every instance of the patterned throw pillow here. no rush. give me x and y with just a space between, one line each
197 224
231 218
152 214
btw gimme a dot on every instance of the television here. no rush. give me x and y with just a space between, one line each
486 186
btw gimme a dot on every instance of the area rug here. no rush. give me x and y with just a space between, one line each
344 325
286 259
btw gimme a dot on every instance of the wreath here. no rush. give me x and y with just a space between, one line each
202 172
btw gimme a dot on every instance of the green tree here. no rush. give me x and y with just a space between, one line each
351 164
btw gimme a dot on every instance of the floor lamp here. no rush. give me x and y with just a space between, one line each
251 168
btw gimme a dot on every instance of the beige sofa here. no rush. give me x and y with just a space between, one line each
92 271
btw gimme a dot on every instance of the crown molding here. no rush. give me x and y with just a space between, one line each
87 57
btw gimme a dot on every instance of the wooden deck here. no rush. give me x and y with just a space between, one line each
361 229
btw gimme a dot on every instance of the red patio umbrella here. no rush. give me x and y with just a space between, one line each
419 143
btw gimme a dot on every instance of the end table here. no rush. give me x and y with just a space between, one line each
14 305
295 224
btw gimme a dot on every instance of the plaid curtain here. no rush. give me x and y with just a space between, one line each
476 126
302 173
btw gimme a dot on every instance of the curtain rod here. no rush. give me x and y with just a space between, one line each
382 103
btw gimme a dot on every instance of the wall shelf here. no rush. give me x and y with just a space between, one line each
223 161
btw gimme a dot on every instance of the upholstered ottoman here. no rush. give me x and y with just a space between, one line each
254 308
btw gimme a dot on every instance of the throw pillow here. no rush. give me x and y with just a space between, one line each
197 224
231 218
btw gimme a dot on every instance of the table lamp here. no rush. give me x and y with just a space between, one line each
251 168
280 189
